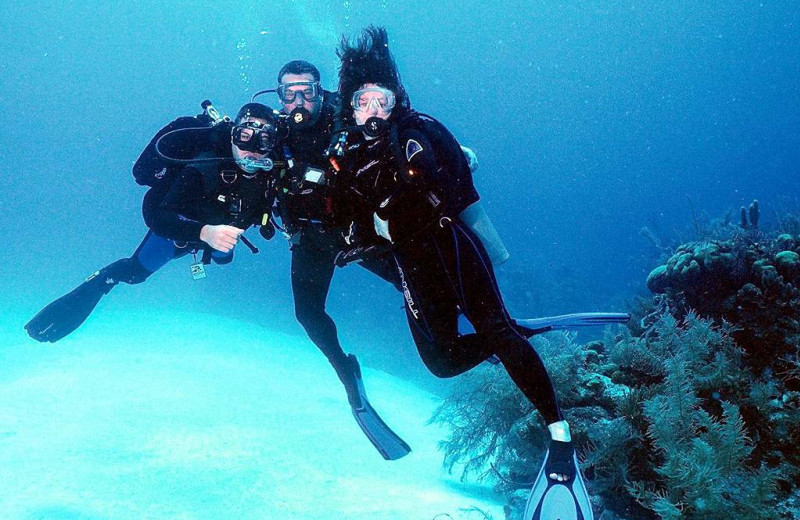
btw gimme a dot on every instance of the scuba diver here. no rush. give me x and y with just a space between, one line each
305 209
208 183
408 184
306 206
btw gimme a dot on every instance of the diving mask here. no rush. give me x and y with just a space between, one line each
378 98
255 137
308 90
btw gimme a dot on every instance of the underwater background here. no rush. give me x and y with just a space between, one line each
591 121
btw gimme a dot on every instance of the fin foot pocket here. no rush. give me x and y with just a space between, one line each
553 500
559 460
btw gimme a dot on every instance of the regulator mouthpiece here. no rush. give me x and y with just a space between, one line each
251 165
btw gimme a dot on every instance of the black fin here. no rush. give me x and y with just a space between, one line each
386 441
67 313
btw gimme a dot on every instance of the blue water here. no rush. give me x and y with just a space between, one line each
591 120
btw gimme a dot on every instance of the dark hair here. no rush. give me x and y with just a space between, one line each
299 67
257 110
368 60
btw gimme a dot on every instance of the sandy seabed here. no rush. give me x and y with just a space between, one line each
167 416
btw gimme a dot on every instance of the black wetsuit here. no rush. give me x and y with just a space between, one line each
417 178
187 198
179 203
316 239
219 193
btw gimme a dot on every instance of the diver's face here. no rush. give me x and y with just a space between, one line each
314 107
371 105
238 153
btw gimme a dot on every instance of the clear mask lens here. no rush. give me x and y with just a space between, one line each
254 137
308 90
373 98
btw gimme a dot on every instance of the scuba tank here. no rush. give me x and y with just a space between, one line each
477 220
464 163
152 169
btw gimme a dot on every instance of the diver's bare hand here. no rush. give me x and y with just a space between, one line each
221 237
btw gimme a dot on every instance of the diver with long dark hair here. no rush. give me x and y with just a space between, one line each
209 181
306 205
406 182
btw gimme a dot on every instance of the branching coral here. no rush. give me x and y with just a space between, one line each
692 412
672 423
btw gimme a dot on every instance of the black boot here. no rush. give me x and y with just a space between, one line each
350 376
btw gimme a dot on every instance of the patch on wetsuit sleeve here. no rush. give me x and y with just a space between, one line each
412 149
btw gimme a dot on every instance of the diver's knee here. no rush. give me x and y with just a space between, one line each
307 315
442 372
222 258
449 365
441 368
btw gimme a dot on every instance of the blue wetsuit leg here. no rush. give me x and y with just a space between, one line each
221 258
155 252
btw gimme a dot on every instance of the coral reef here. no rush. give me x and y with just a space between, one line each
692 412
673 425
752 284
